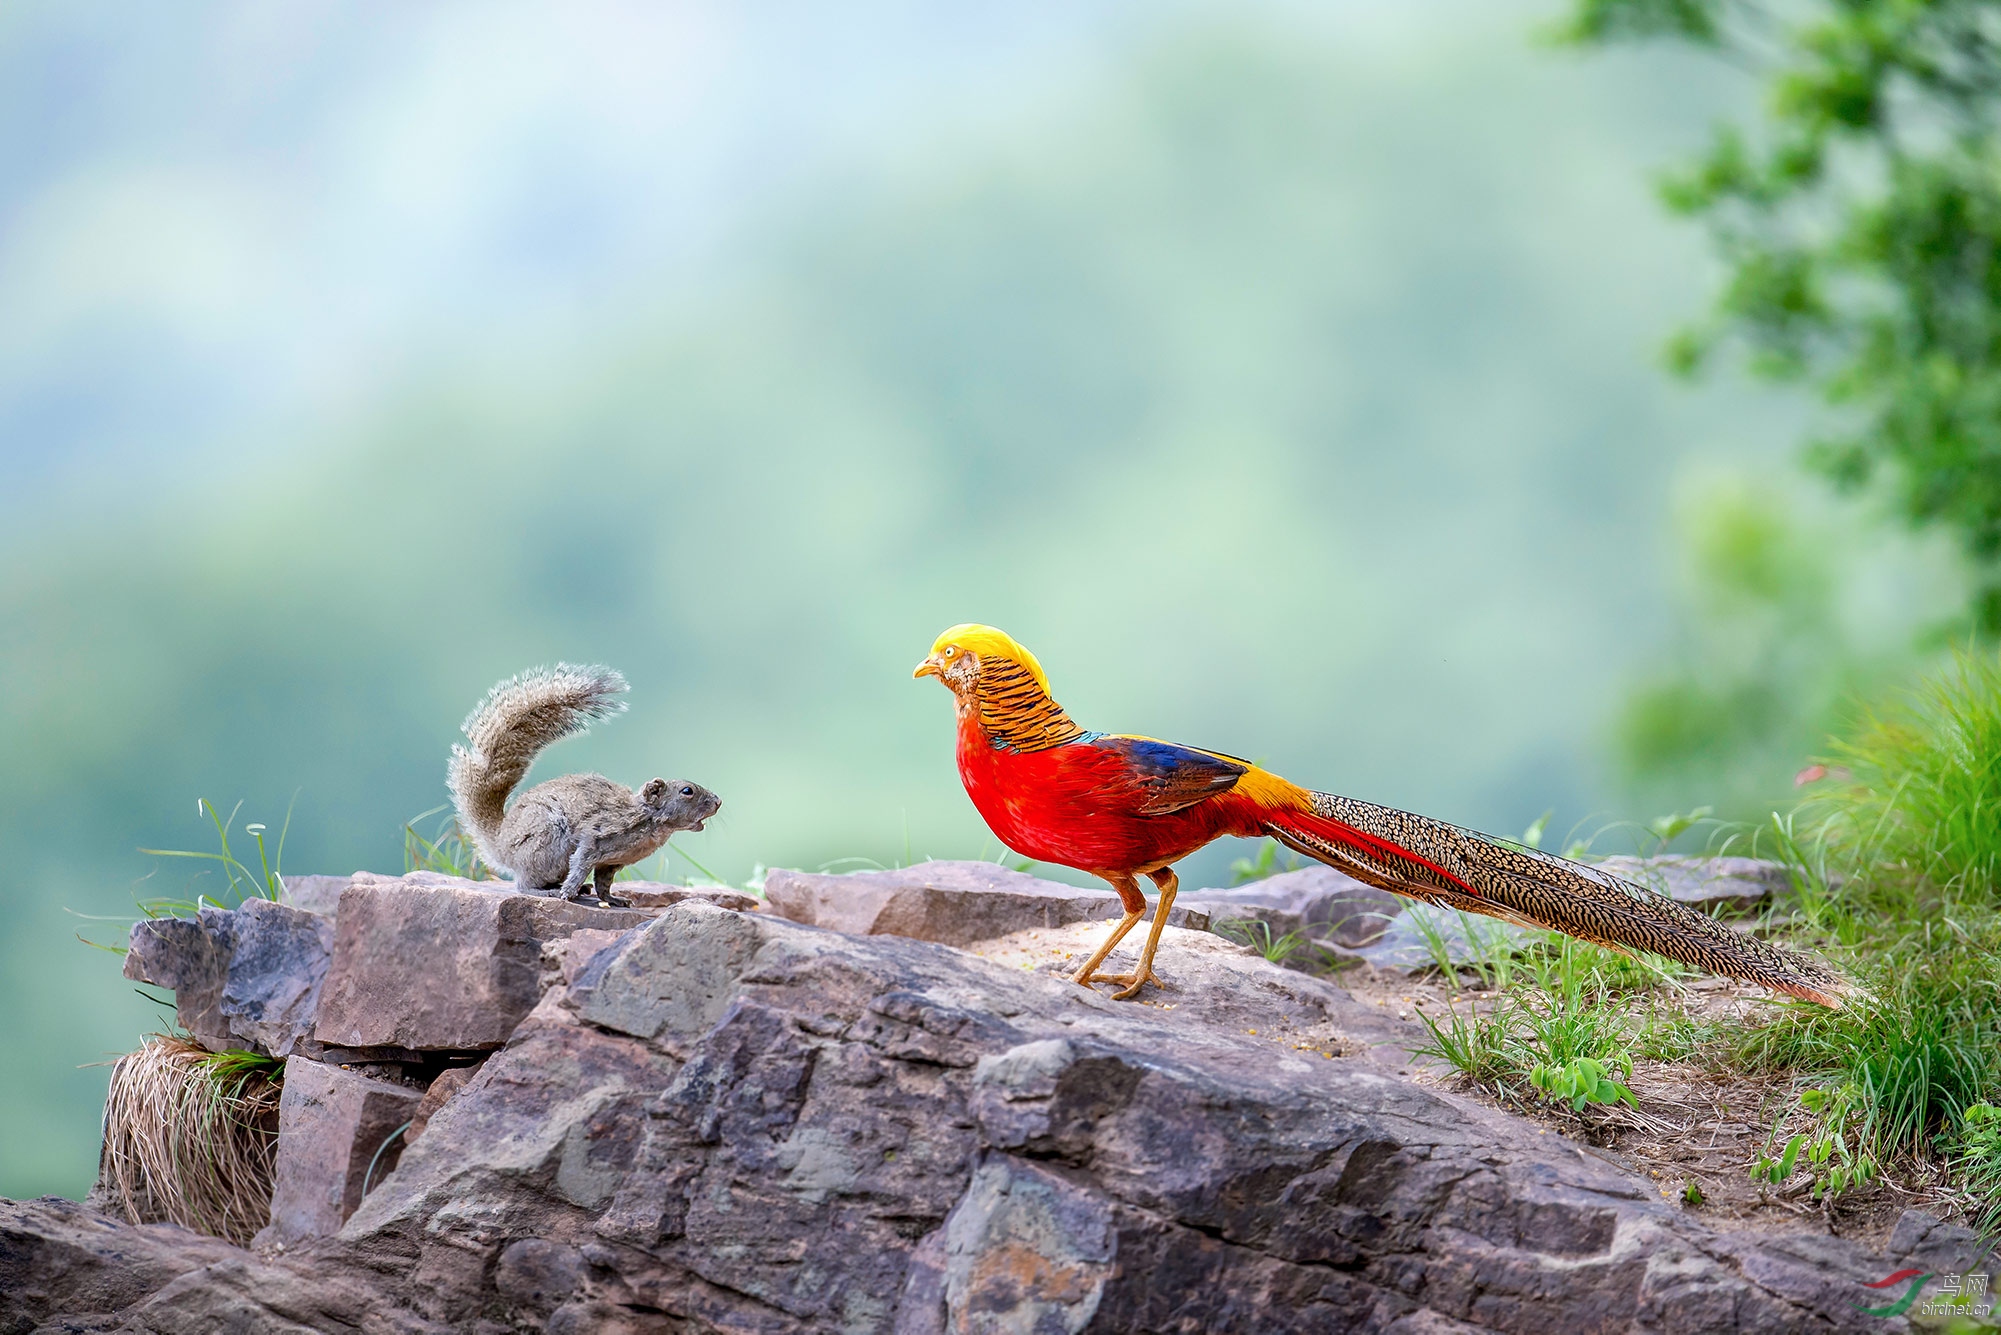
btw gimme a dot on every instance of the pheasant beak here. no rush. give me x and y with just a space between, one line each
930 667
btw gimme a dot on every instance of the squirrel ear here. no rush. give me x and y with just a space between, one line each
654 790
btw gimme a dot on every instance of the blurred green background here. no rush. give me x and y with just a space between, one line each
1287 378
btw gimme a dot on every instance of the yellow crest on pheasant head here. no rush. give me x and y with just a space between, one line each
984 641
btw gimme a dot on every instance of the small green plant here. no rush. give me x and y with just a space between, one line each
448 850
1583 1080
1560 1027
1923 802
1256 933
1491 948
1691 1193
241 882
1775 1170
1833 1151
1672 1035
1532 836
1825 1152
1266 863
1482 1047
1977 1156
1565 964
1666 829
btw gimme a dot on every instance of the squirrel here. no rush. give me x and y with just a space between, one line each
575 828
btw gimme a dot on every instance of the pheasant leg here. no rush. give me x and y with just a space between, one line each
1144 974
1134 902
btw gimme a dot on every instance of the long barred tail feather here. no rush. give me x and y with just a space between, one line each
1457 868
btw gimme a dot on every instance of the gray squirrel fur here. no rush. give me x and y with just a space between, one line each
569 830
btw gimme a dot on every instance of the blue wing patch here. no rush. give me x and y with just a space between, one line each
1171 776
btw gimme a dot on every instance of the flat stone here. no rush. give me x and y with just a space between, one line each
449 1082
334 1130
246 978
276 971
315 894
956 903
1739 884
429 962
730 1121
656 895
1325 907
1221 986
191 956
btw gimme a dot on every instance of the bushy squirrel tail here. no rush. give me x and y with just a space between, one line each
516 720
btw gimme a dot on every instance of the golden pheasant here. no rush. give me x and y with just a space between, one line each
1121 807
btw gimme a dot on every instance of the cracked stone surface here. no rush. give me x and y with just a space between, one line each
246 978
733 1122
957 903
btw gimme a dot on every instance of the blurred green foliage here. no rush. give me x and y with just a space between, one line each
1786 613
1862 230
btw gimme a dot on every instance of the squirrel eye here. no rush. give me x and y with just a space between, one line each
686 791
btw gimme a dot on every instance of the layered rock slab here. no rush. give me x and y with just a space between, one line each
821 1132
247 978
433 963
733 1122
337 1128
1320 903
957 903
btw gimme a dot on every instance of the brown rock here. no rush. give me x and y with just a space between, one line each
429 962
276 971
569 955
655 895
735 1122
64 1268
560 1112
191 956
315 894
840 1133
449 1082
957 903
334 1131
246 978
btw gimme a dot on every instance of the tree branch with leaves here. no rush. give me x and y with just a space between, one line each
1861 224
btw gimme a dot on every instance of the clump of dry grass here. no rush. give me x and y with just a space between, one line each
190 1135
